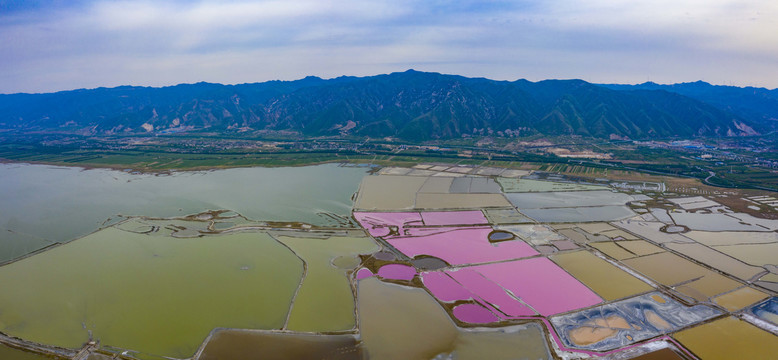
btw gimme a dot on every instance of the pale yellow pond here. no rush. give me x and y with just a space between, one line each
325 301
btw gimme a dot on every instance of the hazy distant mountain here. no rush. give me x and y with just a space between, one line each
411 105
758 104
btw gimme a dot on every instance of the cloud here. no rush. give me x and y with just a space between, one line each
53 45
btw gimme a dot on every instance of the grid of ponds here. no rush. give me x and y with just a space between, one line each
435 261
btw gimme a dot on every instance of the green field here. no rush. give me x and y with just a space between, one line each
198 153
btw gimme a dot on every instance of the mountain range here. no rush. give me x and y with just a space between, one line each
409 105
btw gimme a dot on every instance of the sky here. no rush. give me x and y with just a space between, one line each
53 45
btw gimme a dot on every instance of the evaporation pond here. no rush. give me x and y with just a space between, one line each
256 345
527 185
605 279
325 301
459 246
44 204
712 222
402 323
15 354
729 338
572 214
568 199
154 294
398 322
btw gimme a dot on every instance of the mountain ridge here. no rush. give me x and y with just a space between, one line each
410 105
748 102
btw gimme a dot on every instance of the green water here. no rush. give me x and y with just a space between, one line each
325 301
10 353
154 294
42 204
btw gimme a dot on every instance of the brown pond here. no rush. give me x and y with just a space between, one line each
250 345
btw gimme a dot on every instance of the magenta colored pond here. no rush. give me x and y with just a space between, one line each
474 314
541 284
364 273
458 246
492 293
444 288
397 272
503 288
438 218
513 289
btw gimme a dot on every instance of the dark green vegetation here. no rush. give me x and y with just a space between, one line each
731 162
159 154
412 105
745 163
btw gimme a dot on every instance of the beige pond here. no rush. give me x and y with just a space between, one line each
613 250
656 320
325 301
460 201
595 228
640 247
574 235
717 260
740 298
506 216
605 279
421 172
385 192
650 231
666 268
597 330
754 254
394 171
727 339
584 236
708 286
669 269
772 277
529 185
407 323
613 234
716 238
439 185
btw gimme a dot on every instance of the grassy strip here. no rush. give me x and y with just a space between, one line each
160 160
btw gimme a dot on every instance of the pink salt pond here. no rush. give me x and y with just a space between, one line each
444 288
474 314
397 272
491 293
364 273
438 218
539 283
459 246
